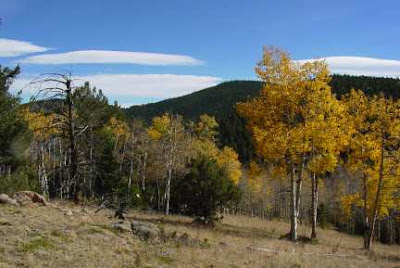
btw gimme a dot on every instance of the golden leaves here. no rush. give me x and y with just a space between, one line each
41 124
296 114
228 159
159 127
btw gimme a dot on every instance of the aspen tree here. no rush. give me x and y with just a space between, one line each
295 122
373 152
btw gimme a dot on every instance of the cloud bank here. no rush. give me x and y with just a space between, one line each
126 87
108 56
15 48
361 66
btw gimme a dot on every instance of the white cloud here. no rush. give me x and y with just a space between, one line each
361 66
150 85
107 56
125 87
14 48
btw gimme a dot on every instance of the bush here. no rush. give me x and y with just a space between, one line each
20 180
203 191
323 217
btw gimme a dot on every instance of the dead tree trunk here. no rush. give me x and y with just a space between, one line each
71 138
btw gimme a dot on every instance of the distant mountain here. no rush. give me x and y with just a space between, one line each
220 101
213 100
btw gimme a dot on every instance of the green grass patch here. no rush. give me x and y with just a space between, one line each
36 243
100 228
63 237
165 260
5 223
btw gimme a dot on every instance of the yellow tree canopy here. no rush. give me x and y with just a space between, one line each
295 114
159 127
207 127
41 125
375 128
228 159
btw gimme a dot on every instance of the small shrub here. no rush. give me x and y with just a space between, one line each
307 240
203 191
323 217
21 180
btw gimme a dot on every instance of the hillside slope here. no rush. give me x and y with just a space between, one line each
213 100
49 237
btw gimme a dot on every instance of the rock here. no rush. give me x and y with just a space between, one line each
184 239
5 199
85 210
145 230
68 212
121 226
28 196
119 214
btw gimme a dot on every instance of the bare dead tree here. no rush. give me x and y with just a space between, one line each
58 89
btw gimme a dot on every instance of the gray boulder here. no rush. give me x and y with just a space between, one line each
5 199
121 226
145 230
28 197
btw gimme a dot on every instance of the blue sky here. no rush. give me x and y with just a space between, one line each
197 43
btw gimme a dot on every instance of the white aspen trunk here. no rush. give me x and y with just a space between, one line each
43 174
377 196
293 214
172 155
92 164
314 205
60 171
365 211
130 174
168 191
299 184
144 169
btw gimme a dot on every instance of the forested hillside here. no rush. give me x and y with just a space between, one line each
220 101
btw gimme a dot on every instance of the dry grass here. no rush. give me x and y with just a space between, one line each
46 237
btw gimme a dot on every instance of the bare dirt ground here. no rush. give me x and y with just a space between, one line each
72 236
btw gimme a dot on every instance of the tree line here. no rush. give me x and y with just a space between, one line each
69 143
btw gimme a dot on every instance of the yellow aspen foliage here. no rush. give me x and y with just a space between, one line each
41 125
255 177
159 127
204 144
207 127
373 151
205 147
296 113
228 159
118 128
348 201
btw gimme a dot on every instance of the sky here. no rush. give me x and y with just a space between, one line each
145 51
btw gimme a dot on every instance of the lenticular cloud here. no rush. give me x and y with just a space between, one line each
15 48
361 66
109 57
